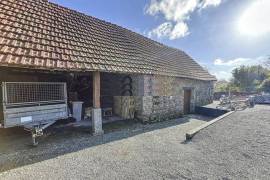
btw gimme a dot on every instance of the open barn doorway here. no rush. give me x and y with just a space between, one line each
79 88
113 88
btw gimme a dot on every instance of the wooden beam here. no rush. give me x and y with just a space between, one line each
96 89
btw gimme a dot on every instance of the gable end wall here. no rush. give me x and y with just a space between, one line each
161 97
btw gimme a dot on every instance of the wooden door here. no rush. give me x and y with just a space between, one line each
187 99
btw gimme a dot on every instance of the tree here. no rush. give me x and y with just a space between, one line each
267 63
249 78
265 86
221 86
225 86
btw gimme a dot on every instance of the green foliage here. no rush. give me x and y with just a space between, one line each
249 78
265 86
232 87
221 86
224 86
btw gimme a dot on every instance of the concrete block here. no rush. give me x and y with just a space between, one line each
191 133
97 122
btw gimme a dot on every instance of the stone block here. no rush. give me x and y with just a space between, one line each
97 122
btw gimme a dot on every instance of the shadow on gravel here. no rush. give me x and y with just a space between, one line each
187 141
16 151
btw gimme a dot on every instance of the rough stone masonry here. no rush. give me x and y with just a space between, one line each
158 98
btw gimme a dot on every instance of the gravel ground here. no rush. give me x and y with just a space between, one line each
16 149
236 147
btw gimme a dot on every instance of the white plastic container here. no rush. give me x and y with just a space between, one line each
77 110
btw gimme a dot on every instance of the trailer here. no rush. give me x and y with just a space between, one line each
32 105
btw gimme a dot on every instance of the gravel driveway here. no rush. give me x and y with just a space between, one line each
236 147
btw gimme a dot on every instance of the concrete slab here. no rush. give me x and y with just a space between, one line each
191 133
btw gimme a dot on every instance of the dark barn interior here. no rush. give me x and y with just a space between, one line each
79 86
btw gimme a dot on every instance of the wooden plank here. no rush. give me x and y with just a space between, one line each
192 132
96 89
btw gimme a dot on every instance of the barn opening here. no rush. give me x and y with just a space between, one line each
80 87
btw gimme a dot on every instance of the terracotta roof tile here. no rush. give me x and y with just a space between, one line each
40 34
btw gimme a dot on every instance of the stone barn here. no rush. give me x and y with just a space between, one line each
104 65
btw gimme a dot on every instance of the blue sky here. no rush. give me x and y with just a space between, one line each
219 34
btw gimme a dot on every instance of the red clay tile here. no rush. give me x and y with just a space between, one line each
60 38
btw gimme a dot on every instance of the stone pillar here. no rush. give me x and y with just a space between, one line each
96 111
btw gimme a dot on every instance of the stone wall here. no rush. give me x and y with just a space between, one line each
157 108
161 97
155 98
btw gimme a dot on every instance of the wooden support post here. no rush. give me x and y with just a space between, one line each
96 112
96 90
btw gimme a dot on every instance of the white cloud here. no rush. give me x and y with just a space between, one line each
173 10
206 3
167 29
222 75
176 13
162 30
179 30
240 61
255 20
222 68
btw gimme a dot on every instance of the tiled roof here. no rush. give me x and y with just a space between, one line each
42 35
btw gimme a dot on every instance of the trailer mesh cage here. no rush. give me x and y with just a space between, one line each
33 93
